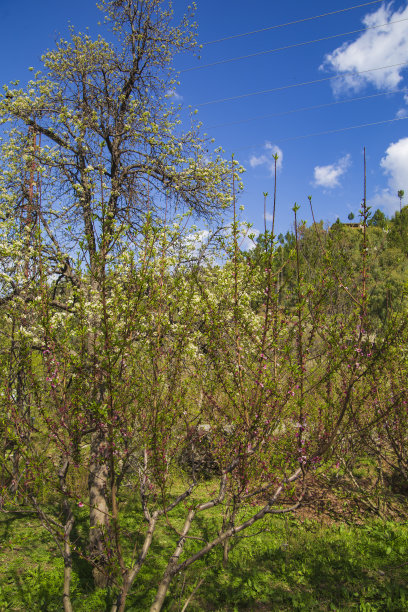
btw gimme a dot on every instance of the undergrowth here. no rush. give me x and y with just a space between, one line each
286 564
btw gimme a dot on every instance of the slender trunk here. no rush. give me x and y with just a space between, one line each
99 464
66 597
15 472
162 590
199 583
174 567
68 525
227 523
225 553
119 605
171 568
130 575
99 510
22 411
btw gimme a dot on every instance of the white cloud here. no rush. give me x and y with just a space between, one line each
266 159
385 45
171 93
401 113
395 165
248 238
328 176
386 200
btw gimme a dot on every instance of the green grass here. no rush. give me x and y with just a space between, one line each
291 565
307 567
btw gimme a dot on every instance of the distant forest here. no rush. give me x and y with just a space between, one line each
338 248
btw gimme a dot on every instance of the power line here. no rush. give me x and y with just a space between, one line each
293 85
306 108
325 133
286 47
345 129
283 25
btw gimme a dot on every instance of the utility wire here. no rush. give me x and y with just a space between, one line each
286 47
306 108
293 85
337 131
345 129
283 25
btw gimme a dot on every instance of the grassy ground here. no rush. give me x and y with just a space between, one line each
289 565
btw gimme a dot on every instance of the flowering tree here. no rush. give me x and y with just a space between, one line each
178 346
123 348
97 132
172 355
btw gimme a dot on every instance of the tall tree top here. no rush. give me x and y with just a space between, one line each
108 144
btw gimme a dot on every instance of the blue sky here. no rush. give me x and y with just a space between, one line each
253 126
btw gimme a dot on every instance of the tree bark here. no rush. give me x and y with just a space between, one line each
119 605
98 508
69 523
172 566
66 596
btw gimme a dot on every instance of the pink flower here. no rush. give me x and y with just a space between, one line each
81 504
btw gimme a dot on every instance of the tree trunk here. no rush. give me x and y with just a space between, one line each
68 525
99 509
171 569
66 597
162 591
130 575
15 471
119 605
